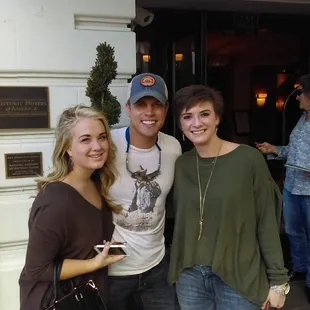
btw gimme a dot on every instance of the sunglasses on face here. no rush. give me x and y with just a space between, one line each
299 91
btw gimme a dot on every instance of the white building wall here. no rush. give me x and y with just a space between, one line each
53 44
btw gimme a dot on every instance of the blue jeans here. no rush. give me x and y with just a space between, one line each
296 213
198 288
145 291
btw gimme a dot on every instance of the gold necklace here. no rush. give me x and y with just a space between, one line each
202 199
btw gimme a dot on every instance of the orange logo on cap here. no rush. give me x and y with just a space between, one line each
147 81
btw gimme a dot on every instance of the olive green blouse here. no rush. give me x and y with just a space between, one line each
240 239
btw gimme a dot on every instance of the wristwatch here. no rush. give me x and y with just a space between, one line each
281 289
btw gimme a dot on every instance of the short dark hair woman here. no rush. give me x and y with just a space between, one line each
226 251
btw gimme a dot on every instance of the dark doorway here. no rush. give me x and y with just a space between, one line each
243 55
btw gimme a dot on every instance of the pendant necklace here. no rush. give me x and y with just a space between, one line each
202 199
142 175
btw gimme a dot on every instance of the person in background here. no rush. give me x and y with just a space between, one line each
72 211
296 192
226 251
145 160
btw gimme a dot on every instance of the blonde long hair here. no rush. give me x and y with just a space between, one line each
103 177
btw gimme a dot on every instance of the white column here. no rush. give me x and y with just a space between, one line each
53 44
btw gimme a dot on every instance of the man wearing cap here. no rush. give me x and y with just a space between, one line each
145 159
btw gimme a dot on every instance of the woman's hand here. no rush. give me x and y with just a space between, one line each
275 299
104 259
266 147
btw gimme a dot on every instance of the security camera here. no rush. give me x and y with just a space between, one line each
143 17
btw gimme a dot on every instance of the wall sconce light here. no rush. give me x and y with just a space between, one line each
146 58
280 103
296 85
261 99
178 57
281 77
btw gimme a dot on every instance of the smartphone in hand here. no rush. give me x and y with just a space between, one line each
116 248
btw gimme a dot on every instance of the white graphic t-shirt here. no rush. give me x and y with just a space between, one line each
141 222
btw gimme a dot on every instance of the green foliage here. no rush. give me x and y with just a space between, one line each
101 75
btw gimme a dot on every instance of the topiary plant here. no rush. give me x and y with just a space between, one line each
101 75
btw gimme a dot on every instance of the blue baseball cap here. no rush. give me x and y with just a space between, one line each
147 85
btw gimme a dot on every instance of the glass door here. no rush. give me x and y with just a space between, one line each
173 46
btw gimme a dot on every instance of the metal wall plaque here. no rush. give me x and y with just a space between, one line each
23 165
24 107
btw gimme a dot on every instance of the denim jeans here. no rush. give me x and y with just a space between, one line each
145 291
296 213
198 288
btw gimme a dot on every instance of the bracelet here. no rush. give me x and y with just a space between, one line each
281 289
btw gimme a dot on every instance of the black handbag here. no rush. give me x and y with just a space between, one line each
82 297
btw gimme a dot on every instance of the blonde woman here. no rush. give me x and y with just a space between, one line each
72 211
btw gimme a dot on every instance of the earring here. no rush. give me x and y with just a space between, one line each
183 136
70 164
